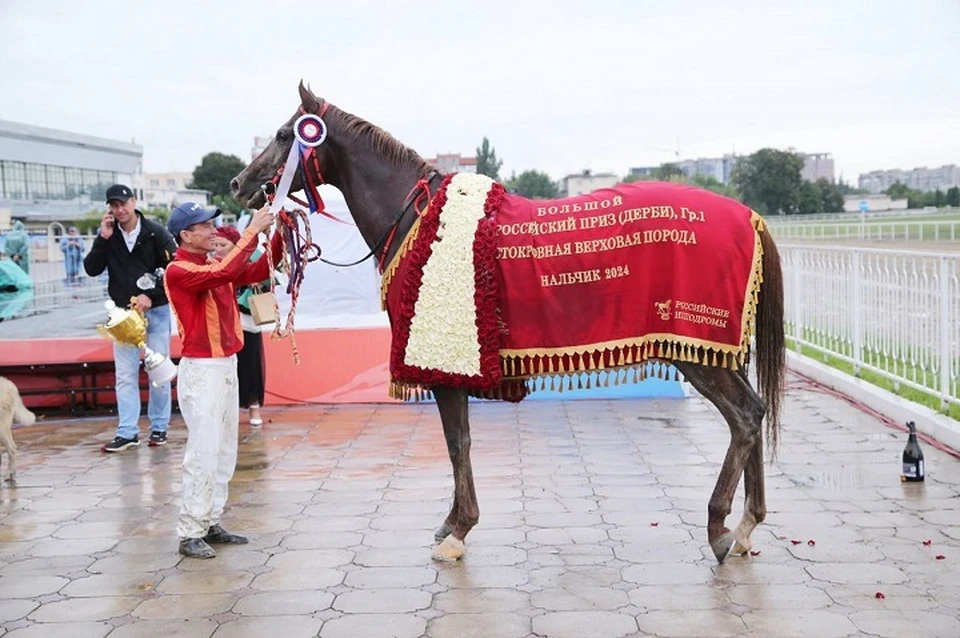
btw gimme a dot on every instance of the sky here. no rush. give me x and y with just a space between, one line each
556 86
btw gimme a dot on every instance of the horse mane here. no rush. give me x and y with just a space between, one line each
384 145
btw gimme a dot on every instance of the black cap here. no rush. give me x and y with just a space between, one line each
119 191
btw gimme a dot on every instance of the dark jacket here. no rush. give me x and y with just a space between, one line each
154 249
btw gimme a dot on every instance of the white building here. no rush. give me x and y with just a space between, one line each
586 182
259 143
817 166
719 168
167 190
49 175
453 163
921 179
852 203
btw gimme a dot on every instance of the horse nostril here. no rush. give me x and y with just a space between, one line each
234 186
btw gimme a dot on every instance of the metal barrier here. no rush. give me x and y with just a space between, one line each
869 231
894 313
855 216
52 291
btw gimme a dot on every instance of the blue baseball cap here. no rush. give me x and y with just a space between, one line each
187 214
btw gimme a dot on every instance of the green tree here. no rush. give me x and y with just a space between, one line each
916 199
629 179
215 172
669 172
847 189
769 181
227 204
953 196
810 199
532 184
487 162
710 183
830 195
898 191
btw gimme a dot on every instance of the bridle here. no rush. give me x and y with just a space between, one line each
311 178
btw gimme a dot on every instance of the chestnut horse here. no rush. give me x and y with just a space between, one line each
376 173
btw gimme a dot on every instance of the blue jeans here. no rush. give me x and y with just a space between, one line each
127 363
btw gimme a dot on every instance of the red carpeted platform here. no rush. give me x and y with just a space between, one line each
336 366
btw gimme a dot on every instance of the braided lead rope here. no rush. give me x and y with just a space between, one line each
297 247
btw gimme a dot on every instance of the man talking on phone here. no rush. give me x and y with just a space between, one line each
134 251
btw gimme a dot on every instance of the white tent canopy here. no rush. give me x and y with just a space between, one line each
334 297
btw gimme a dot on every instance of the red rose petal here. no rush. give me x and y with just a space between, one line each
928 542
879 594
940 556
796 541
654 523
754 552
811 542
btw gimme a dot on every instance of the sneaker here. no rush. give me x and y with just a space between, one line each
118 444
220 536
157 438
196 548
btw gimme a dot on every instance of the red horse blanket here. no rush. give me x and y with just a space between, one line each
491 291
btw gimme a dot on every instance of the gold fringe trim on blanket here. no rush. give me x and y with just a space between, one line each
752 299
557 382
391 268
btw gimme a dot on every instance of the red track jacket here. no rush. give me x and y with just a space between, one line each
201 293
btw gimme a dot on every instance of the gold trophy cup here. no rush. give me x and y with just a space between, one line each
129 327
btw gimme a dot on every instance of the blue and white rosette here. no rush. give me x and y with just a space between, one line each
309 132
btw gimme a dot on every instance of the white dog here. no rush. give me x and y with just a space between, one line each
12 409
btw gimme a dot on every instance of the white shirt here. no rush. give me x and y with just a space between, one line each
131 237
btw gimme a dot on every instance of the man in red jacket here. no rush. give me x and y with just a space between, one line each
201 292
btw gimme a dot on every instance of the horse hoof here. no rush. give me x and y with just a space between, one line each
451 549
721 547
740 547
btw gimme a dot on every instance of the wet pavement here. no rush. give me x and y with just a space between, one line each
592 524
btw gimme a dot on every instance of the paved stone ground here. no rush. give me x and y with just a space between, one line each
341 503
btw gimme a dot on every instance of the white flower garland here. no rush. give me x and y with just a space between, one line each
443 330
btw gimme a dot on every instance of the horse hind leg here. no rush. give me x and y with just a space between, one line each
464 513
755 506
743 411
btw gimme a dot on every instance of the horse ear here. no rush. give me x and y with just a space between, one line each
308 100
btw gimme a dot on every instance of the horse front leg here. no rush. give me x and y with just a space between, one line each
464 513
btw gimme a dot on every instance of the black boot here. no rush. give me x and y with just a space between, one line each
218 535
196 548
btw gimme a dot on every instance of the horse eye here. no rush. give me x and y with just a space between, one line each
283 135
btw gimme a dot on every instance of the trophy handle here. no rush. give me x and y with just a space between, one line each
133 308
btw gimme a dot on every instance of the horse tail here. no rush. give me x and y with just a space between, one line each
770 346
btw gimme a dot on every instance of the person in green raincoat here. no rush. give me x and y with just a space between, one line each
17 247
16 290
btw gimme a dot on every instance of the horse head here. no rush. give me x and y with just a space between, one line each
251 185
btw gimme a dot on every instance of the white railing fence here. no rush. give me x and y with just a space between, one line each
894 313
869 231
855 216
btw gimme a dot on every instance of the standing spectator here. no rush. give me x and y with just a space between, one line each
203 295
132 258
250 367
72 247
17 246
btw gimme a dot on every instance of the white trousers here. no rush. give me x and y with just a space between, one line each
208 392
